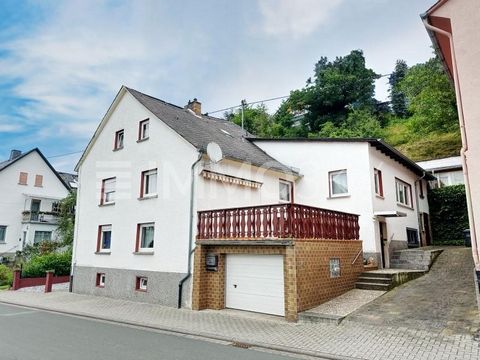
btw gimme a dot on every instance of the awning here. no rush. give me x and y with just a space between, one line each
390 213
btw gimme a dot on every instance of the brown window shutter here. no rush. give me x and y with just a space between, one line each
39 180
22 180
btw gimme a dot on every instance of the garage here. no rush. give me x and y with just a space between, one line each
255 283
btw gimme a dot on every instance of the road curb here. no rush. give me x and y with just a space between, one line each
172 330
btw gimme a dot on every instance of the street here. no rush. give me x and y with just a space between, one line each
29 334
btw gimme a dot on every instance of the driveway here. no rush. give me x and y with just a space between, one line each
444 300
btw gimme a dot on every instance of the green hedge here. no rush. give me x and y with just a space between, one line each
448 214
38 265
6 275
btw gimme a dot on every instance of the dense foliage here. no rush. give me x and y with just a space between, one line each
420 119
6 275
448 214
66 222
38 265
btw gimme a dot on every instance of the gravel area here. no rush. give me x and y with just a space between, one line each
41 289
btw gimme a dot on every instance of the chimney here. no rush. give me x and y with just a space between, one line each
195 106
15 154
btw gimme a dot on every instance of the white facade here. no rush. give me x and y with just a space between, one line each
24 223
316 159
448 171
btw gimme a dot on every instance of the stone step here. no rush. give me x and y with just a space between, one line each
376 275
376 280
372 286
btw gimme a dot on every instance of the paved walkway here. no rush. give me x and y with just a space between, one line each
348 340
442 301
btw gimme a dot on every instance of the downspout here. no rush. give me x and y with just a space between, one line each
75 235
464 150
191 249
417 198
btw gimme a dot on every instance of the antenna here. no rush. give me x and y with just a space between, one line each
214 152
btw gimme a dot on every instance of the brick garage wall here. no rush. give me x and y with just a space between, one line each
314 284
209 286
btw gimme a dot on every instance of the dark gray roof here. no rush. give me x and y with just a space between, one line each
378 144
69 179
201 130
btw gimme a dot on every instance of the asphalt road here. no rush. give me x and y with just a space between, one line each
28 334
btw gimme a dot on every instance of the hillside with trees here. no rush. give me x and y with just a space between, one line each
339 101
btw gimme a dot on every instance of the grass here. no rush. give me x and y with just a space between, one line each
4 287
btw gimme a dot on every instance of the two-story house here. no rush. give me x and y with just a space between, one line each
183 209
30 190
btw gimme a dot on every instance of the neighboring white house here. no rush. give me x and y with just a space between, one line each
448 171
145 174
365 177
30 190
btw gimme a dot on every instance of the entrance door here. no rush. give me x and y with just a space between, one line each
426 226
255 283
34 210
384 243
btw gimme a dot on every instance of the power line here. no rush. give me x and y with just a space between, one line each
67 154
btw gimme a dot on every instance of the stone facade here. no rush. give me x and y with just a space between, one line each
306 271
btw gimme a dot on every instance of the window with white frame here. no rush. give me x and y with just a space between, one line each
144 129
105 238
378 182
119 139
100 280
149 183
141 283
3 233
108 191
404 193
42 236
338 183
285 191
146 234
334 267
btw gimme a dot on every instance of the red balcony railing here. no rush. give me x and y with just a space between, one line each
277 221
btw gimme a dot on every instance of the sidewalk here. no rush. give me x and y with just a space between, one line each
348 340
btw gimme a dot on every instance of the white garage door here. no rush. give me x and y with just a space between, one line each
255 283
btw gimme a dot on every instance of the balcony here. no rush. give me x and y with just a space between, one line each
278 221
44 217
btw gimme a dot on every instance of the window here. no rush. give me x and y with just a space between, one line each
404 193
338 183
412 237
148 185
38 180
100 281
23 178
378 182
141 283
145 236
334 267
108 191
119 137
104 241
144 130
3 232
420 186
285 191
42 236
56 207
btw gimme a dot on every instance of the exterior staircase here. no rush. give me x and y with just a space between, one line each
374 280
414 259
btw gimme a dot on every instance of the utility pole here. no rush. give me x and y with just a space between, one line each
243 102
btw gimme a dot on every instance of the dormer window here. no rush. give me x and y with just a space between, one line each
144 130
119 137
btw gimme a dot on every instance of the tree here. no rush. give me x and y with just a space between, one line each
360 123
66 222
431 99
397 97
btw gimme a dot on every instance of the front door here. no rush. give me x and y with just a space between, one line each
34 210
384 243
426 226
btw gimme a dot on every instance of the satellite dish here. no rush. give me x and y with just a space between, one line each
214 152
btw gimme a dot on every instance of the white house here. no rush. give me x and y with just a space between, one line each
448 171
153 200
30 190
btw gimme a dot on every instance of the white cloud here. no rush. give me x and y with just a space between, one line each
9 128
296 18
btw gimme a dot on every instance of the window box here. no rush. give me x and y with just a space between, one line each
145 238
338 183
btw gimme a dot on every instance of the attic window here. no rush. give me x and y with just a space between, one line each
226 133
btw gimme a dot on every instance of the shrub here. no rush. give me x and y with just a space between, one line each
39 264
6 275
448 214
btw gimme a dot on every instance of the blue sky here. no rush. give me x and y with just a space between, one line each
62 62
